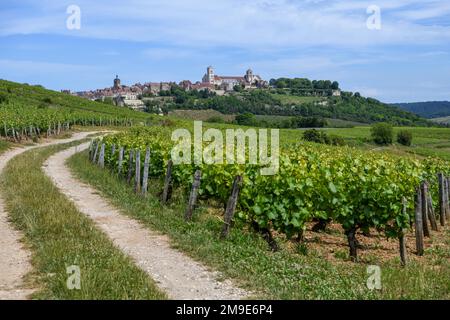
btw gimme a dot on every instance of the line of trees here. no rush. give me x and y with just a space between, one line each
248 119
303 83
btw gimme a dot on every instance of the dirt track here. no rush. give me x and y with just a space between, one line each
177 274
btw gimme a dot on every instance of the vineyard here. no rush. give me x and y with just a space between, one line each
32 111
359 190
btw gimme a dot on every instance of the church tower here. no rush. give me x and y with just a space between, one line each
209 76
117 83
249 76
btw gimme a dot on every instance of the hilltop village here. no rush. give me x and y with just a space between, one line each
136 95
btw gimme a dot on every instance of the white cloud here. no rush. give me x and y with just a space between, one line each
253 23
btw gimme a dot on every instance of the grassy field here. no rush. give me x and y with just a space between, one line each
289 99
205 115
4 145
201 115
59 236
294 272
426 141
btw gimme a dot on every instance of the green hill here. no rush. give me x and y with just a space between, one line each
29 111
430 109
38 96
286 102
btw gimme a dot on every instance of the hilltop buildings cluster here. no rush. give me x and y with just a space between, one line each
132 96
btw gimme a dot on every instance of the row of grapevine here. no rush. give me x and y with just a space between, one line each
359 190
18 121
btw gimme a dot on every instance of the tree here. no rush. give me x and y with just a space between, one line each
404 137
317 136
335 85
246 119
382 133
238 88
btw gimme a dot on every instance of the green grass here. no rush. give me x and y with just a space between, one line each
426 141
201 115
290 99
4 145
60 236
244 257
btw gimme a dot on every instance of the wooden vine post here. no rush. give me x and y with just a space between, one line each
113 150
419 223
424 202
193 196
431 213
231 206
137 179
146 172
97 145
167 182
442 214
447 197
402 242
130 166
101 158
91 147
121 152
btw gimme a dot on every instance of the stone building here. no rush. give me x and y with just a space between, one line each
249 80
117 85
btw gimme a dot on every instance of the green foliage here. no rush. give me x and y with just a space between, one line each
108 100
303 83
245 258
357 189
238 88
317 136
349 107
382 133
24 106
405 137
216 119
246 119
3 98
431 109
47 100
308 122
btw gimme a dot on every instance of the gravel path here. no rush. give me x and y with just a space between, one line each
14 258
180 276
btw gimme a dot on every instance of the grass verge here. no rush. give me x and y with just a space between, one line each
60 236
244 257
4 145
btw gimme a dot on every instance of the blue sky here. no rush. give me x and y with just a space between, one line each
408 59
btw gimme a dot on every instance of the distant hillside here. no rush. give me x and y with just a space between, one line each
444 120
282 102
431 109
39 97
